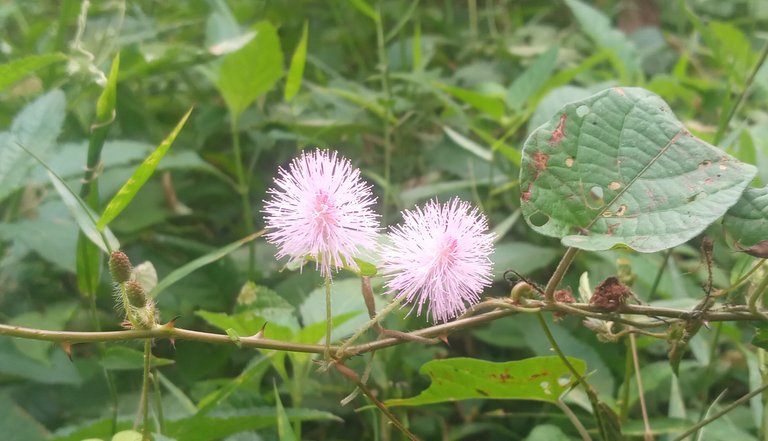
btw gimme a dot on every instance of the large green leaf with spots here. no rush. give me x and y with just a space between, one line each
536 378
747 221
618 169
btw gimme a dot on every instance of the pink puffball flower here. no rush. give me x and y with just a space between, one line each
439 255
321 209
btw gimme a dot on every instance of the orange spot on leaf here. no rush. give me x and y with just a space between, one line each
559 133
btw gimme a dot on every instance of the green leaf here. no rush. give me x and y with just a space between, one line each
105 105
58 370
546 432
747 219
252 70
532 79
537 378
219 425
598 27
366 9
127 435
468 145
284 429
618 169
16 423
139 177
84 216
35 129
53 318
234 337
492 105
189 268
522 257
296 70
252 373
15 70
122 358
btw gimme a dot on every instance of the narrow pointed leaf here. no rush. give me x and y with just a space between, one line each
284 429
189 268
127 192
618 169
84 216
537 378
15 70
296 70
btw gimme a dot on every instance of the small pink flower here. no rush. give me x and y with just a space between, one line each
320 208
440 255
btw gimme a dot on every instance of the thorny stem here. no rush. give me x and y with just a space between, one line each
588 389
648 433
725 410
168 331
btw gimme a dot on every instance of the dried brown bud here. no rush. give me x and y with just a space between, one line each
119 267
563 296
610 294
136 295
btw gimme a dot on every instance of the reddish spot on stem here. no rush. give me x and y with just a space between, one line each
559 133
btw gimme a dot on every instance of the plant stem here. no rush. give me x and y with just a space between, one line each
328 319
628 371
145 432
168 331
559 273
385 410
660 273
725 410
648 433
588 389
371 323
158 402
574 420
243 188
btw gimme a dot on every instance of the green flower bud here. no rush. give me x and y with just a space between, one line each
119 267
136 295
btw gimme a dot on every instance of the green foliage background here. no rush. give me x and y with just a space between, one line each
429 99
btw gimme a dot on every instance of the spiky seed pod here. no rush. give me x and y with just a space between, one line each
119 267
136 295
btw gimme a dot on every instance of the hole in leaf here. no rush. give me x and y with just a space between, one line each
539 219
569 162
545 386
564 380
582 111
595 195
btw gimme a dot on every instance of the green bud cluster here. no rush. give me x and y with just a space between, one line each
119 267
